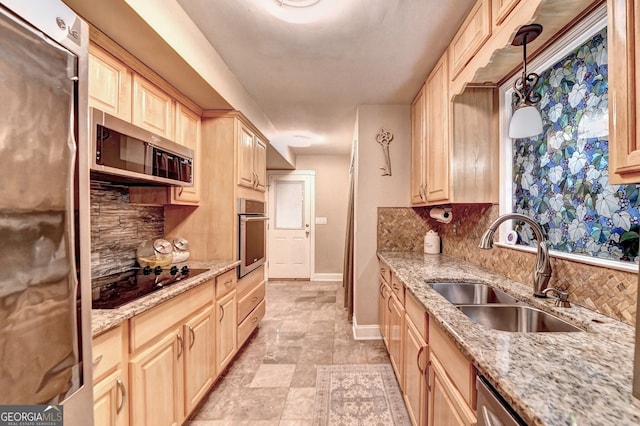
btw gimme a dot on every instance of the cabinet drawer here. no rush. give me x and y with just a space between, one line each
398 289
458 367
149 325
385 272
225 283
250 281
417 314
107 352
250 301
250 323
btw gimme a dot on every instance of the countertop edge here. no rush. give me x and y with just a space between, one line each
589 355
105 319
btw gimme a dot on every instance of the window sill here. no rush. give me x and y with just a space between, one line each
588 260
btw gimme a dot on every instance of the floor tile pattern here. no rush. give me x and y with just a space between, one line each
272 381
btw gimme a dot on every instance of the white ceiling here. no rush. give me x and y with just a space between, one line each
309 76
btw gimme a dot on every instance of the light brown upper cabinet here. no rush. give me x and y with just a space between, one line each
437 124
252 159
624 81
501 9
153 109
109 84
418 178
188 134
473 33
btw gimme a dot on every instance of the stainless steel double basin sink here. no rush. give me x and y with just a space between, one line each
497 310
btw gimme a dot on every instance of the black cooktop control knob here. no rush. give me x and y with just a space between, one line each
173 270
184 270
146 270
157 270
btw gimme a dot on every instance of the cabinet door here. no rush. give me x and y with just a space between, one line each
109 401
415 355
446 405
383 311
396 326
502 9
437 101
417 148
624 81
473 33
109 84
260 165
245 156
188 134
226 330
153 109
199 365
157 382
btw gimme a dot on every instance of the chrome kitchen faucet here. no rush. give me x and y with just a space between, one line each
542 271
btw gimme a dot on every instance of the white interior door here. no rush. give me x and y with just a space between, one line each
290 226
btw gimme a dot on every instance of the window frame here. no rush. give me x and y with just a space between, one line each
574 37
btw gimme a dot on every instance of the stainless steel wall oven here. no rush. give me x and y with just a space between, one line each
252 235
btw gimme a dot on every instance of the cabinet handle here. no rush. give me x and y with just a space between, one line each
221 312
192 335
123 395
227 283
380 290
180 345
253 320
418 360
254 299
389 301
428 376
97 361
180 191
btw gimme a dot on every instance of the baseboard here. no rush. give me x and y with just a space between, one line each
326 277
365 332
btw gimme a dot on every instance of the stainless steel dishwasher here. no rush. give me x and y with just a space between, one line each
492 409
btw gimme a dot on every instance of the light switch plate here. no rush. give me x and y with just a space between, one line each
321 220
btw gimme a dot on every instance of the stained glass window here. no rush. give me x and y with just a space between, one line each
561 178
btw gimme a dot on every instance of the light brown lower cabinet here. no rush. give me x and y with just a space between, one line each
226 330
447 407
109 401
396 341
199 362
415 384
157 379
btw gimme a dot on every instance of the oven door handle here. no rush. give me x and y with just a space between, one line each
253 218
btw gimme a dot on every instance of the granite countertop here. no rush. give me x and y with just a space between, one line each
550 379
104 319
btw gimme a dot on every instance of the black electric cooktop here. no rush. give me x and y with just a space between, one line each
124 287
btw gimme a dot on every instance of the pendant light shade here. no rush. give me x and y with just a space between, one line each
526 121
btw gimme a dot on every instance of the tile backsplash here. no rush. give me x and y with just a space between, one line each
608 291
117 228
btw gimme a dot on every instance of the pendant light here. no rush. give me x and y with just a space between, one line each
526 120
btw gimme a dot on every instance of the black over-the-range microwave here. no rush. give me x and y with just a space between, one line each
123 152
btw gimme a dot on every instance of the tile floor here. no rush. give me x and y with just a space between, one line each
272 379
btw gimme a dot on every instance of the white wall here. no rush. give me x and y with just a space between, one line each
374 190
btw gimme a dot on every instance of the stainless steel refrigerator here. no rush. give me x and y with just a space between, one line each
44 241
